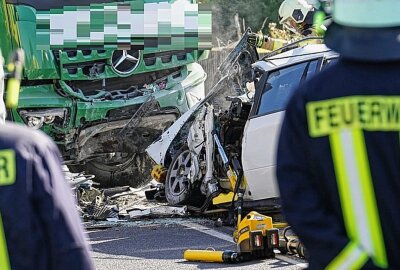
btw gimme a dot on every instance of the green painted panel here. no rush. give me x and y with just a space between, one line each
38 64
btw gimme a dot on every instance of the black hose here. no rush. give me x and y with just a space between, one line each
206 203
285 231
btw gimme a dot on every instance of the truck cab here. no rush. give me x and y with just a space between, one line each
83 97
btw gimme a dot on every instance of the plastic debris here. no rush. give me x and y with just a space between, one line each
159 211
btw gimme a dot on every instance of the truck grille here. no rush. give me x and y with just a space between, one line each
96 64
123 85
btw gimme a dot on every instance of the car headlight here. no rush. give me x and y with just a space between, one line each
36 118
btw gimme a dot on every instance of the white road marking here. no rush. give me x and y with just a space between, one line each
228 238
209 231
291 261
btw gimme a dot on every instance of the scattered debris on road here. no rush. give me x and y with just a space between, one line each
119 203
159 211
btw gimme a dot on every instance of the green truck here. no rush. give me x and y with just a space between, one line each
84 98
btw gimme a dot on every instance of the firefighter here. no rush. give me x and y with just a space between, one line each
39 225
295 15
339 149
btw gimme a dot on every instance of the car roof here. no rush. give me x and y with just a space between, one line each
304 53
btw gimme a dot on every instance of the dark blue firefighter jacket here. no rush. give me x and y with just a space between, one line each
40 223
338 166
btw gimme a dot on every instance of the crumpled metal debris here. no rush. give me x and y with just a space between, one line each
116 190
159 211
92 203
110 204
156 193
117 203
101 211
77 179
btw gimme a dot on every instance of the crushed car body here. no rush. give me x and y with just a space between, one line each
246 125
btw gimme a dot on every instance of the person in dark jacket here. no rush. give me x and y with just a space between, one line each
39 224
339 149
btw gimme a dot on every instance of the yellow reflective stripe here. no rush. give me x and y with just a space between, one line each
351 257
4 260
374 223
360 262
7 177
371 113
341 176
7 167
356 192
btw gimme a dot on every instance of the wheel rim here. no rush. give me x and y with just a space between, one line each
178 177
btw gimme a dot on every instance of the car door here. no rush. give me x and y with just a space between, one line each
262 129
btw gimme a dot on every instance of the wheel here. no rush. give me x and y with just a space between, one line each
177 183
178 188
118 170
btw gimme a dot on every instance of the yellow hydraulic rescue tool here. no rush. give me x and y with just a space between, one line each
255 236
255 239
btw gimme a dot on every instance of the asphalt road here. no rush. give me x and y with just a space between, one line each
159 244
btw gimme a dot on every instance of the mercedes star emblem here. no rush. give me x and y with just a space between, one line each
125 61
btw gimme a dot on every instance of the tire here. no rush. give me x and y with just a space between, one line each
132 170
178 188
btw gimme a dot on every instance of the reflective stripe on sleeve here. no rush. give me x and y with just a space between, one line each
351 257
356 192
4 260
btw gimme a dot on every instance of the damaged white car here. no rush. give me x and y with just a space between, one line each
238 122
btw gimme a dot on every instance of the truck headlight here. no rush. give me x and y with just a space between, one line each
36 118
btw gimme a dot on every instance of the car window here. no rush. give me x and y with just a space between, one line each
312 69
279 87
329 62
